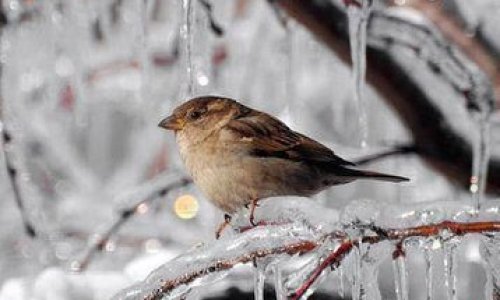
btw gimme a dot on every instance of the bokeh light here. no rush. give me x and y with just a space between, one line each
186 207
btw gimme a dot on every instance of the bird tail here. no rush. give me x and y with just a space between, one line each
362 174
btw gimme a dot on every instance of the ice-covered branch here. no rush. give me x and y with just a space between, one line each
208 263
396 150
214 26
151 194
448 229
407 56
326 244
219 266
12 173
477 47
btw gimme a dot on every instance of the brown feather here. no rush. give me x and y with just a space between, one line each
238 155
270 137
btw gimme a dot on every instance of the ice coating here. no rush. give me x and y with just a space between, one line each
281 293
358 20
259 281
400 277
450 267
187 38
490 253
429 273
214 259
266 245
83 107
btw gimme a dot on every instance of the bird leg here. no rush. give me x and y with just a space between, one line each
222 226
253 205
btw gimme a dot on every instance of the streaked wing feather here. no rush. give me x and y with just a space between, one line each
270 137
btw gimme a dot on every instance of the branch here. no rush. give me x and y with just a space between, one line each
124 216
290 249
214 26
436 134
12 173
397 150
273 240
478 48
454 228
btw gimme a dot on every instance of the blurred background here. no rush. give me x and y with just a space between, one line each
84 84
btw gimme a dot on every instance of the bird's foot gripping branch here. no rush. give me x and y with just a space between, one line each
305 252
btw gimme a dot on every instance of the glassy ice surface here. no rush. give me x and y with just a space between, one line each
428 273
358 20
85 83
400 278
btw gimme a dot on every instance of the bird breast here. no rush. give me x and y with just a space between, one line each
230 177
219 175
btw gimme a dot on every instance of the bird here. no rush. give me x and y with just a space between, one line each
238 155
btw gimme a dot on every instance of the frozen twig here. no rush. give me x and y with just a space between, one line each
396 150
214 26
124 216
399 235
476 47
257 243
441 144
12 173
290 249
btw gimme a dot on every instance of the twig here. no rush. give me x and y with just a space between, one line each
475 47
291 249
397 150
332 260
399 235
216 28
124 216
440 144
446 228
12 173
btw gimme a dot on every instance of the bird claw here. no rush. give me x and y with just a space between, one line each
252 221
222 226
253 205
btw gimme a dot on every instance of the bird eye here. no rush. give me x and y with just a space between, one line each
196 114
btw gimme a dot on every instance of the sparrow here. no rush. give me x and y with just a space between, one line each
238 155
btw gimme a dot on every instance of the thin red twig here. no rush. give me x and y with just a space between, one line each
124 216
335 258
453 228
221 265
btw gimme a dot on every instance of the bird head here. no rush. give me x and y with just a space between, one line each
201 116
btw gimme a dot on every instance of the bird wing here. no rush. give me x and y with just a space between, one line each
270 137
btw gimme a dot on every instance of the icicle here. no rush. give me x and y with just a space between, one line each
358 19
492 286
340 270
143 51
450 270
428 273
371 257
480 103
356 273
186 36
289 87
278 283
491 266
258 282
299 276
481 156
400 277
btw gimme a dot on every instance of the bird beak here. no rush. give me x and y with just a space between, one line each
171 123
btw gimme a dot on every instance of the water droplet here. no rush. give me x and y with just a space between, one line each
142 208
